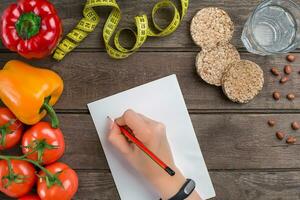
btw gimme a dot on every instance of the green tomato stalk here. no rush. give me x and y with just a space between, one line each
51 179
5 130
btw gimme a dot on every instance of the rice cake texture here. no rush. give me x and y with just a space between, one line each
210 27
242 81
211 64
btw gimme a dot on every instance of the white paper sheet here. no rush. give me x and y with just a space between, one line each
161 100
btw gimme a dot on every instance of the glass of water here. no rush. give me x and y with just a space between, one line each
273 28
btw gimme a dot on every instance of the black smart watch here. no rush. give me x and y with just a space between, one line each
185 191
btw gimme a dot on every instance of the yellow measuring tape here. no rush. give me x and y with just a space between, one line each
91 19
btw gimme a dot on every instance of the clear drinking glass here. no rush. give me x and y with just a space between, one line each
273 28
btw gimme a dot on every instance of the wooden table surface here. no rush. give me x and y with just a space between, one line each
244 158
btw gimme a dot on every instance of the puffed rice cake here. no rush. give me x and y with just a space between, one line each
211 26
211 64
242 81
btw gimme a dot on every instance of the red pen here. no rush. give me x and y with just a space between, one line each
138 143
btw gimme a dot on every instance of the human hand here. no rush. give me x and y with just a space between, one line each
153 135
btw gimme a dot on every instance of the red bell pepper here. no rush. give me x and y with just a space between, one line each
31 28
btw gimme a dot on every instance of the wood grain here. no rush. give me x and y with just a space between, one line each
250 185
244 158
228 141
93 185
91 76
71 12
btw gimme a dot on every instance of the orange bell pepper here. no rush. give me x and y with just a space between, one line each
30 92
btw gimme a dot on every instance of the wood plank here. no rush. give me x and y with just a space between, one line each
228 141
71 12
262 185
256 185
92 185
245 141
228 185
91 76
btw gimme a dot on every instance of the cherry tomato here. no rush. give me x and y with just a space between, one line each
68 179
10 128
30 197
22 178
48 143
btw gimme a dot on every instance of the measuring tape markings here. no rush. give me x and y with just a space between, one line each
91 19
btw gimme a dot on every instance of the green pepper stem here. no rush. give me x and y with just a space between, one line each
28 25
52 114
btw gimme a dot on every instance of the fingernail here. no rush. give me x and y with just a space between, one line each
112 124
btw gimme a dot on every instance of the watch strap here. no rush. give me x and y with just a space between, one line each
185 191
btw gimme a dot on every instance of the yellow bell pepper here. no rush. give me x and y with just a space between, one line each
30 92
